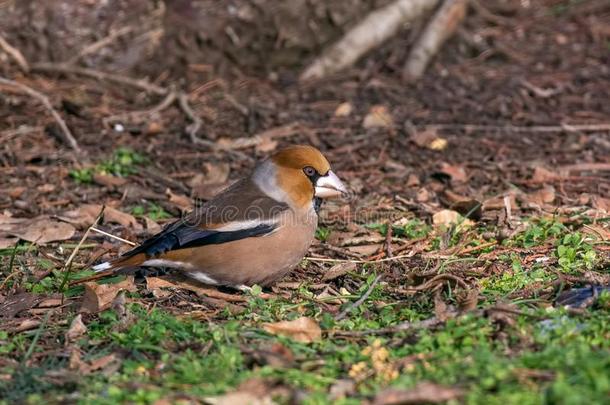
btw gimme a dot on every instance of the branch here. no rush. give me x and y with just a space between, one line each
439 29
375 29
141 84
67 135
15 54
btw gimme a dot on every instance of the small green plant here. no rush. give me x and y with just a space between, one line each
539 231
152 211
322 234
82 176
123 162
575 253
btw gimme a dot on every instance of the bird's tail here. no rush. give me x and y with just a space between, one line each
120 263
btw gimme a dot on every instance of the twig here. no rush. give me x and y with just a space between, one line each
164 104
15 54
141 84
94 229
439 29
476 248
361 300
68 265
67 135
376 28
196 123
96 46
533 128
386 259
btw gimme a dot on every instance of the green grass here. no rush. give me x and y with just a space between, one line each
537 355
122 163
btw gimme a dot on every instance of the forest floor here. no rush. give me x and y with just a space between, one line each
400 300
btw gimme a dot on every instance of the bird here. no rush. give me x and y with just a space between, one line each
252 233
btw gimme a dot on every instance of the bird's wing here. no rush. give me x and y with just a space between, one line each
241 211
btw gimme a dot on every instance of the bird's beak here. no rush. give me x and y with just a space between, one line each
329 186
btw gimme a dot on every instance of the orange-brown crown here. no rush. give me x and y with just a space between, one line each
300 156
290 163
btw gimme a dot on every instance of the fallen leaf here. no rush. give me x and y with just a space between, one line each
45 188
7 242
108 180
424 392
45 230
99 297
341 389
343 109
422 195
429 139
17 303
378 116
77 329
338 270
541 197
238 397
449 217
85 215
152 227
456 172
469 208
181 201
601 203
543 175
303 329
15 192
266 145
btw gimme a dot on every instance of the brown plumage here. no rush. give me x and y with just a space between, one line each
254 232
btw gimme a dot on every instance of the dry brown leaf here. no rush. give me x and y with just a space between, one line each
303 329
601 203
449 217
541 197
85 215
338 270
424 392
43 230
77 329
181 201
378 116
456 172
99 297
7 242
239 397
343 109
430 139
108 180
266 145
543 175
364 250
151 226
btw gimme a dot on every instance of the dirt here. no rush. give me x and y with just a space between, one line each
514 97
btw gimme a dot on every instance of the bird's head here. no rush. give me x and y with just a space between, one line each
301 173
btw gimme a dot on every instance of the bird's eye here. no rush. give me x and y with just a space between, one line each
309 171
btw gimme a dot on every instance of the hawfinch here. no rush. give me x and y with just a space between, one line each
254 232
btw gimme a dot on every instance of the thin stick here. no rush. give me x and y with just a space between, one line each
533 128
94 229
196 123
68 138
97 45
15 54
386 259
360 301
68 266
141 84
